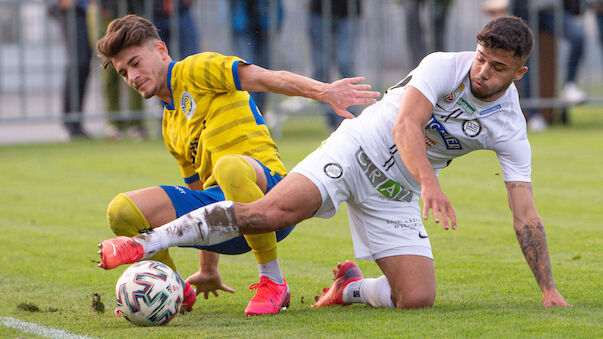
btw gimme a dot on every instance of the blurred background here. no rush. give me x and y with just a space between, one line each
52 87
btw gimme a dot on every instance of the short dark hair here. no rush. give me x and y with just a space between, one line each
130 30
509 33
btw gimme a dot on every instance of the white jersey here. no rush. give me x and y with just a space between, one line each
460 123
360 165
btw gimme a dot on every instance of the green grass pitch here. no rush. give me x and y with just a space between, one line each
52 215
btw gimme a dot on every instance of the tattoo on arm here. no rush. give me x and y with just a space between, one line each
532 240
250 222
520 185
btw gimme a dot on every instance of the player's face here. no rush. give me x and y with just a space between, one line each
143 67
493 70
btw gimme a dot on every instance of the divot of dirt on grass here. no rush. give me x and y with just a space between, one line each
28 307
97 305
31 307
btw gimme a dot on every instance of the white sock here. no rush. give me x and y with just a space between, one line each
208 225
272 270
373 291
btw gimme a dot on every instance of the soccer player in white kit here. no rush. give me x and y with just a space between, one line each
382 162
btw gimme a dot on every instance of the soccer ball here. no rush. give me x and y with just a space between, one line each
149 293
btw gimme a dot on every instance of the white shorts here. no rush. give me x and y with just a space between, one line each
382 224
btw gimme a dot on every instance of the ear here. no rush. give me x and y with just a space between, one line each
522 70
161 47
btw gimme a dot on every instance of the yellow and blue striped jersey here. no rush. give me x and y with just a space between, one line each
210 116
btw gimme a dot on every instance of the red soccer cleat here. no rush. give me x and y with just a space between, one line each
189 297
343 276
119 251
270 297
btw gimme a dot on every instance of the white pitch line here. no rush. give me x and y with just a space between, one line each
36 329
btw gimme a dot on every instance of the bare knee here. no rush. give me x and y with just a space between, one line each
412 280
416 298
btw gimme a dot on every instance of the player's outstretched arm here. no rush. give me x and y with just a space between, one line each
340 94
208 279
415 109
529 230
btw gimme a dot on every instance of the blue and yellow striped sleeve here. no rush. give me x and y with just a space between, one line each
212 72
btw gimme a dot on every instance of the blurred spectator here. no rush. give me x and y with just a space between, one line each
334 43
119 127
573 32
188 37
415 36
252 21
496 8
71 15
598 7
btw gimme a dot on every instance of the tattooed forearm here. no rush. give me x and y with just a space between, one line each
532 240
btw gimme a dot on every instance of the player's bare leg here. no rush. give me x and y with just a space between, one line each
294 199
411 278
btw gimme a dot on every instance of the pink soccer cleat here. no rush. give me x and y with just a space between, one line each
189 297
270 297
343 276
119 251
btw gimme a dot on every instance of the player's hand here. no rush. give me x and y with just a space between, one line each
434 199
208 282
344 93
553 298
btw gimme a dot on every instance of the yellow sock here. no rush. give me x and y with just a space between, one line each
237 179
126 219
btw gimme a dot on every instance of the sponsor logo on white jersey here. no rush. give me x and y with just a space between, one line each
388 188
429 142
466 106
449 140
490 109
454 94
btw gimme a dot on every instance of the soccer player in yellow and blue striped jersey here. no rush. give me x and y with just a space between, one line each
210 117
214 130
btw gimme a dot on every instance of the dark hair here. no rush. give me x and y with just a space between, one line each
509 33
130 30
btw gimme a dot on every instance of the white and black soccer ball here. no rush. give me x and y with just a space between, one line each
149 293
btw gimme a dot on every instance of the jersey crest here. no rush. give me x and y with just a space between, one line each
472 128
187 103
